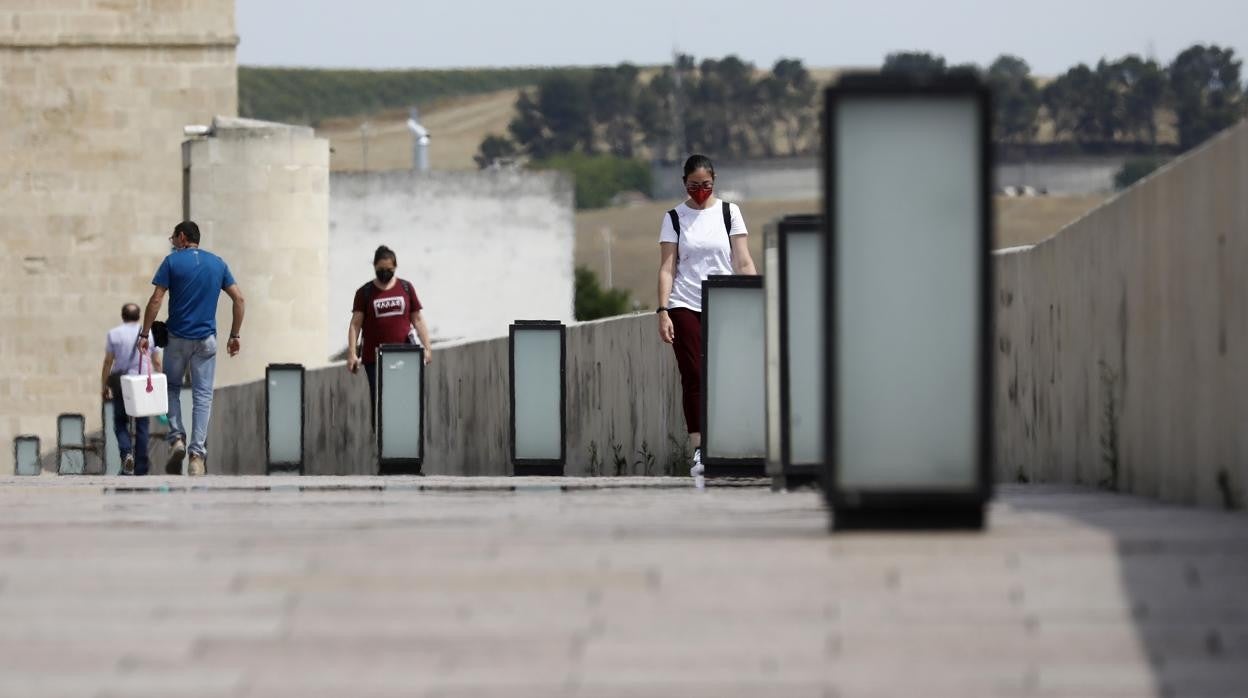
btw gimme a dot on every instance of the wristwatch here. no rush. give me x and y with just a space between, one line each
234 336
661 309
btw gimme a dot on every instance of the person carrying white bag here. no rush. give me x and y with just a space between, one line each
121 358
143 396
194 280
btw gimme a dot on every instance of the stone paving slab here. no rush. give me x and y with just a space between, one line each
288 586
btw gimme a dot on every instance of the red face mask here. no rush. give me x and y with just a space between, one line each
700 192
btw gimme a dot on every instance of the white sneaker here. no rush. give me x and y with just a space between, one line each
697 469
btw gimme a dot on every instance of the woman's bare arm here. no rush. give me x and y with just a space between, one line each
742 262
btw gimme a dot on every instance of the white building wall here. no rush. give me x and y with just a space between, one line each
481 248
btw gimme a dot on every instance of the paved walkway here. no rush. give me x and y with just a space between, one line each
351 589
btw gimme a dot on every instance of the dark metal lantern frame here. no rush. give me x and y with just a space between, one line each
63 450
286 467
17 443
539 466
895 508
723 467
792 474
407 465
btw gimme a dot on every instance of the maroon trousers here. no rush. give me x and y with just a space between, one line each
688 348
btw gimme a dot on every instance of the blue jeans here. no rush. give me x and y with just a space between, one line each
121 427
200 355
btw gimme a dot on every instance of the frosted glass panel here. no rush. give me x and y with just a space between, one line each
771 289
736 374
907 272
27 452
112 452
804 287
70 431
400 404
285 416
538 389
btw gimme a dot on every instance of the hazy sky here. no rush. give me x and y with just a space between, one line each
1052 35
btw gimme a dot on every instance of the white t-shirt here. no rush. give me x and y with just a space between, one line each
702 250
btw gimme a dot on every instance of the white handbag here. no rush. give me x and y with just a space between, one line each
145 395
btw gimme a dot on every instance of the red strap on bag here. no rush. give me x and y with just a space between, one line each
149 369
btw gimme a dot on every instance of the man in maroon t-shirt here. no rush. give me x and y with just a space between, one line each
385 309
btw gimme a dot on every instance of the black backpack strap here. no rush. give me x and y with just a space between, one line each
728 218
675 223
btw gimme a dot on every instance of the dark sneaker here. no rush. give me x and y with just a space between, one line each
127 465
174 465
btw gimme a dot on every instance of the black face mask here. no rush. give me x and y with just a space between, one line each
384 275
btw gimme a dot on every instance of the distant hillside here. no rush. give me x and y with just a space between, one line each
311 95
456 125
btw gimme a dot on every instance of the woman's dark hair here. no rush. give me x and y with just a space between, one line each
699 162
384 252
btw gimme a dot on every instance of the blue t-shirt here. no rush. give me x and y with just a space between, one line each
195 279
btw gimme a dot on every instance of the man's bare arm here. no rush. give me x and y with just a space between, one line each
104 375
236 295
153 308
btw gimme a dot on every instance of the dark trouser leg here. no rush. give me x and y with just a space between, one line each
688 348
371 371
121 425
141 463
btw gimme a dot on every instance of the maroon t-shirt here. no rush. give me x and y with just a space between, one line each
388 318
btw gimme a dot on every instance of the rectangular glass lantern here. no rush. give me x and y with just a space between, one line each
112 451
799 320
284 410
734 376
71 444
26 456
907 172
771 293
538 363
400 409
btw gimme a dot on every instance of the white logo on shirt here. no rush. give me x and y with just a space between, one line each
389 307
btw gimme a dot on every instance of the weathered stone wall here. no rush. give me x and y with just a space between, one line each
624 413
94 95
1122 349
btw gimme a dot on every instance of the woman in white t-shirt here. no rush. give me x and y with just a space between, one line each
700 237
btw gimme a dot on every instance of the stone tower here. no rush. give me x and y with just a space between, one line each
94 95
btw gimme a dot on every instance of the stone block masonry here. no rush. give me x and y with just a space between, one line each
259 192
93 98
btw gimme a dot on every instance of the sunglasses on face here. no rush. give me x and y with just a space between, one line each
695 186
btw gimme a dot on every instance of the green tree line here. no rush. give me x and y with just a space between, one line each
311 95
728 108
1113 102
723 106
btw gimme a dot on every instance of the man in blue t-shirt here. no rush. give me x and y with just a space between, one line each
194 279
